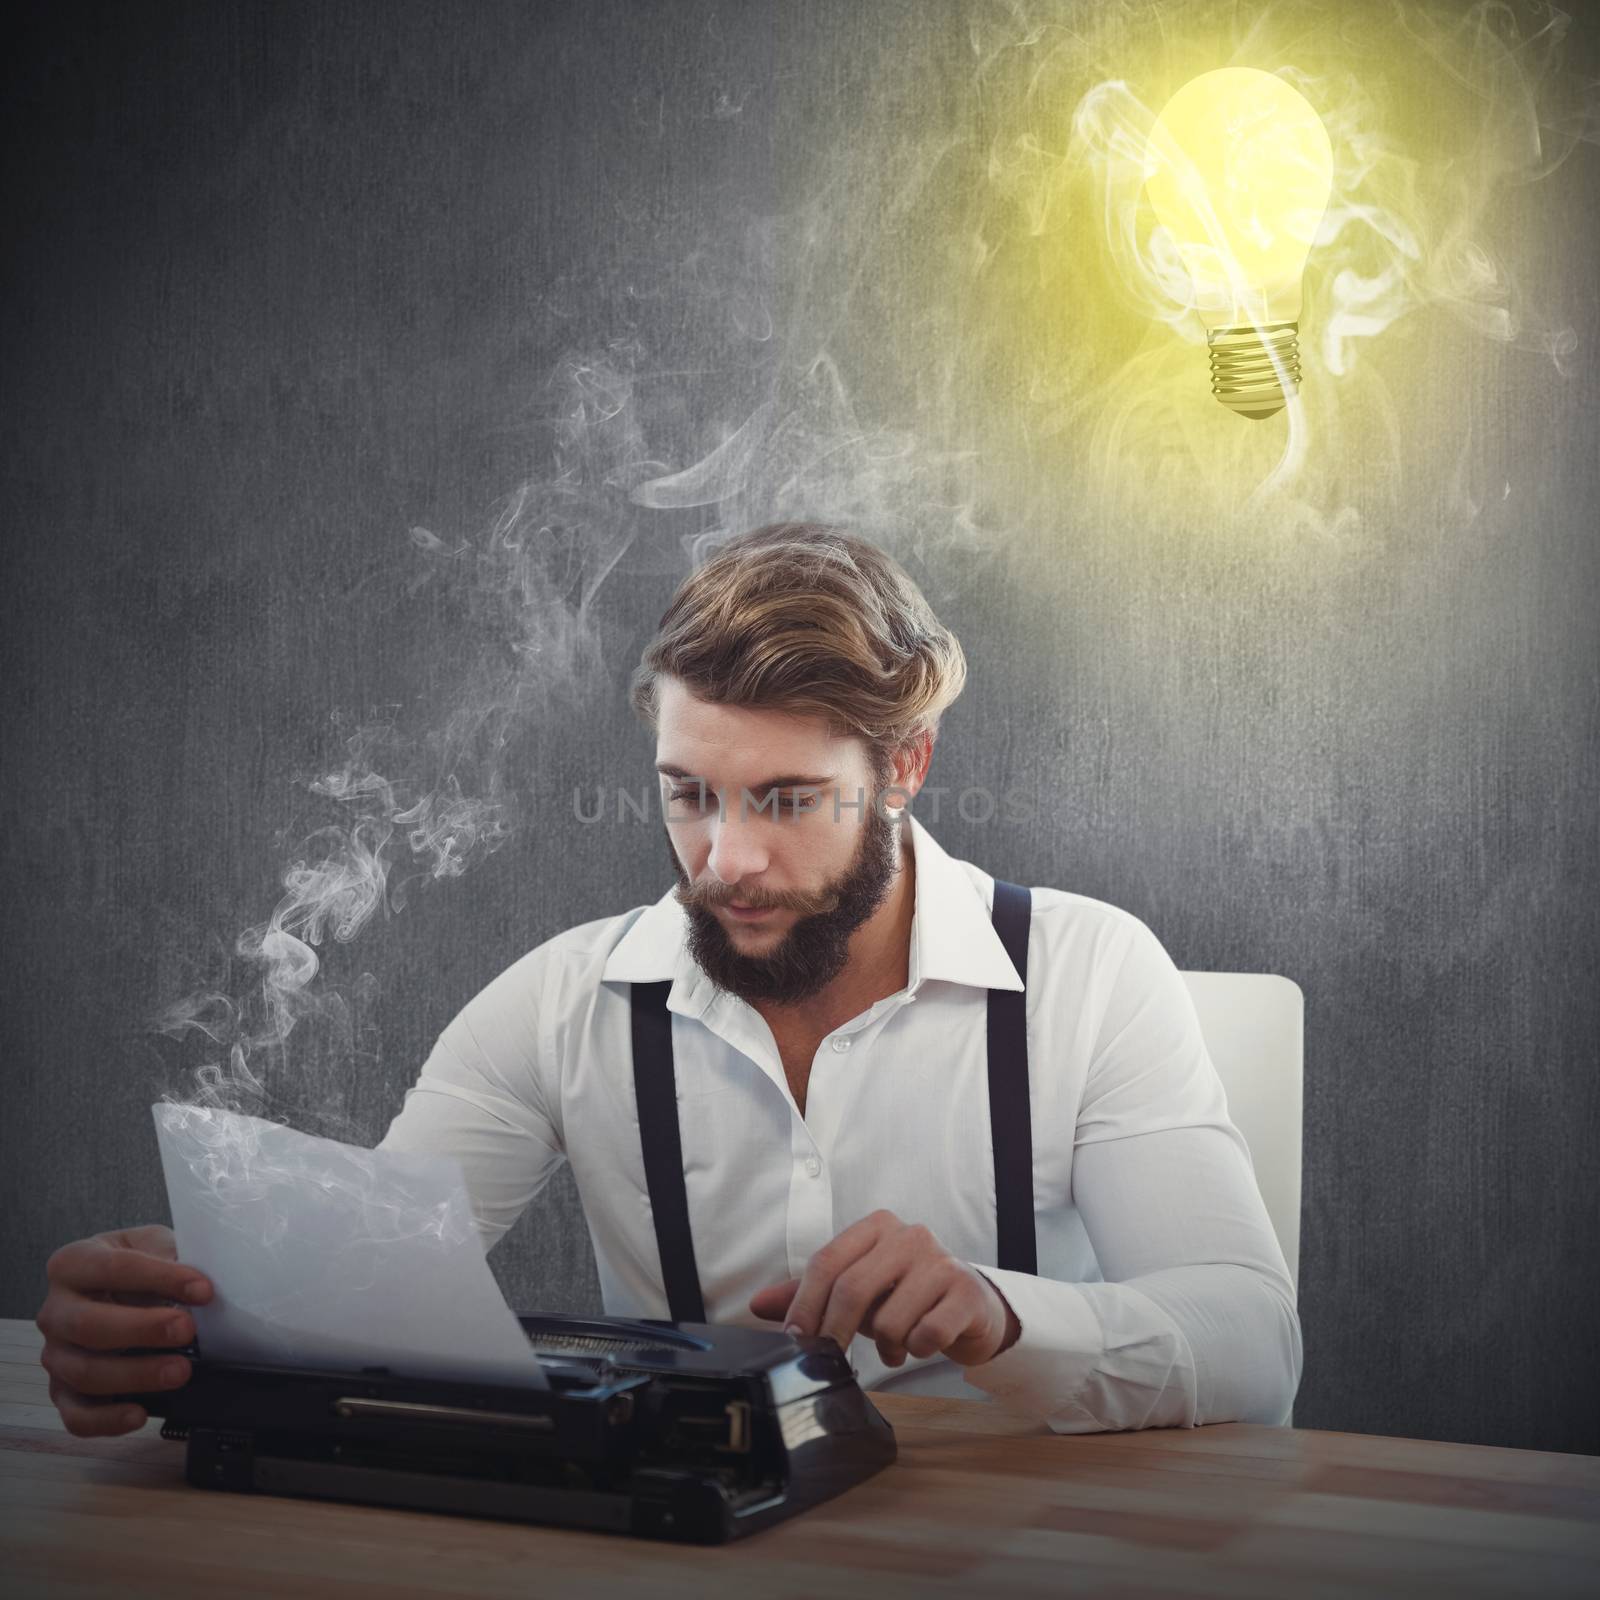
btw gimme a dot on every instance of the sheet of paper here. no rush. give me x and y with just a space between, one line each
332 1256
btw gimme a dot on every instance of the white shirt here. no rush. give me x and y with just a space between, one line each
1163 1298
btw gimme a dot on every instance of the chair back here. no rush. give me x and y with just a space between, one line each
1253 1024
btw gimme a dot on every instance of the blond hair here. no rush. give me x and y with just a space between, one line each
809 619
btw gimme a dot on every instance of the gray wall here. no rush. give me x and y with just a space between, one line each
362 364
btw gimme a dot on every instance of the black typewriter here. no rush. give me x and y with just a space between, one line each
667 1430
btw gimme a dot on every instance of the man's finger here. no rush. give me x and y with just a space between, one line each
816 1283
913 1297
773 1301
90 1267
858 1291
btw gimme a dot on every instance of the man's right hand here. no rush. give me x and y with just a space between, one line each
108 1293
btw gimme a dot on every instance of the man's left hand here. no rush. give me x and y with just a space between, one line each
894 1282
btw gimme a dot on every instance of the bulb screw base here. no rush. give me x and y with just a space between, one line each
1255 370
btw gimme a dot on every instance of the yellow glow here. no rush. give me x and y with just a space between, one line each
1009 330
1239 172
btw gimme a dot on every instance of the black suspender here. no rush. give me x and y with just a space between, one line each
1009 1116
655 1085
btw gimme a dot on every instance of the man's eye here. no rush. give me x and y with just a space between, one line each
794 803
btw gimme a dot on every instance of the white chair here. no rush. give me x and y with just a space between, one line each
1253 1024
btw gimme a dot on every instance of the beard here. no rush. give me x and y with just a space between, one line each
814 951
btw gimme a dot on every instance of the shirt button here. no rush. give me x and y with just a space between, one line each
813 1166
841 1044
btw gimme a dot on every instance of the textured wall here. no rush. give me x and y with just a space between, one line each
369 371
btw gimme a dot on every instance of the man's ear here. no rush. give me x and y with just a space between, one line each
911 765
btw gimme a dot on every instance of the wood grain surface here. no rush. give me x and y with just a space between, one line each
978 1503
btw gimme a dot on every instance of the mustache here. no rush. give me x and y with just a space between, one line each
707 896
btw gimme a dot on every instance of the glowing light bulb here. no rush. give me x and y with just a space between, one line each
1239 169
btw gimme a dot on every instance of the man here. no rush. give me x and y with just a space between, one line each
820 1084
835 1136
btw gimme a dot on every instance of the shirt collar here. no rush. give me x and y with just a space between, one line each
952 936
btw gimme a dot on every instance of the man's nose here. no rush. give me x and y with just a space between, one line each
737 850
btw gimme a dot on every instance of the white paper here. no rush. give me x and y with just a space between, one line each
332 1256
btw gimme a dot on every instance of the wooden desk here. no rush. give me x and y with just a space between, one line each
978 1504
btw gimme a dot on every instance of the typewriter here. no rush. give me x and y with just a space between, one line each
666 1430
